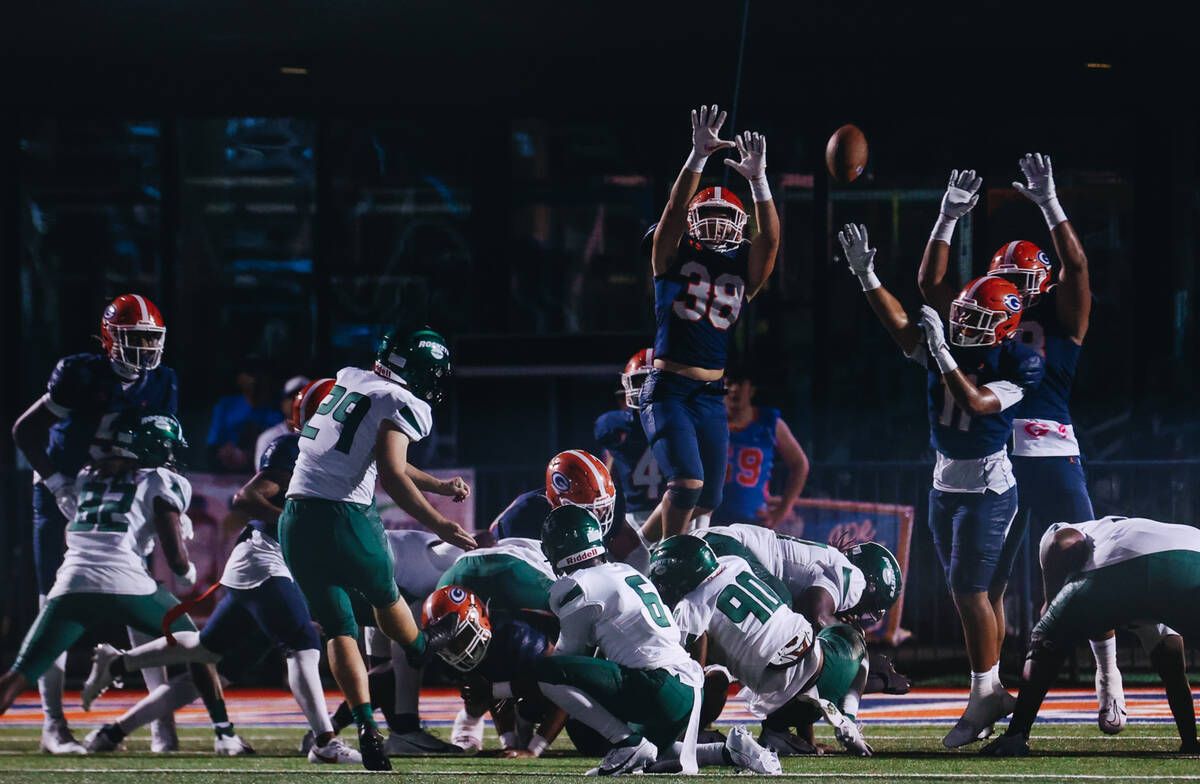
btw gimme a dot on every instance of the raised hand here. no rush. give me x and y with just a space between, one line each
861 258
706 124
961 193
752 147
1039 178
935 333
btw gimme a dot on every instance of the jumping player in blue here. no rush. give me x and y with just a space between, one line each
756 435
628 455
971 408
1045 456
83 397
704 273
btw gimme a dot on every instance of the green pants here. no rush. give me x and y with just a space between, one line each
843 651
1161 588
64 619
503 582
655 702
340 557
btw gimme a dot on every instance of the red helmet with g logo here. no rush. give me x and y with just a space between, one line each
133 334
1026 266
985 312
472 631
579 478
306 401
716 218
634 375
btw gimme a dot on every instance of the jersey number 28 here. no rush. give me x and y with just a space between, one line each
720 300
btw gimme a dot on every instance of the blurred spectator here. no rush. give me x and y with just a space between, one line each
290 388
755 436
239 419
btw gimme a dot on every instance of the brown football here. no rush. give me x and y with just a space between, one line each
846 153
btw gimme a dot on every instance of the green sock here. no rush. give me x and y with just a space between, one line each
417 646
363 716
632 740
216 712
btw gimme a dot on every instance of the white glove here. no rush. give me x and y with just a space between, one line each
706 124
187 580
845 730
961 195
64 494
1039 187
935 339
860 258
186 530
752 146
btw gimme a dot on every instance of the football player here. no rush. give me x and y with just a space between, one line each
972 392
705 271
627 454
125 501
755 435
261 608
84 395
332 537
1108 574
1054 320
640 673
728 615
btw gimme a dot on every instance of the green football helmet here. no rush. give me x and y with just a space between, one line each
680 564
420 360
570 536
882 573
153 438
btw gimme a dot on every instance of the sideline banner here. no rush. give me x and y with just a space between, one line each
829 522
216 527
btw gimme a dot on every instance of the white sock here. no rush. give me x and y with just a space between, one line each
304 678
981 684
408 680
995 673
579 705
850 704
1105 652
164 700
160 653
154 677
50 684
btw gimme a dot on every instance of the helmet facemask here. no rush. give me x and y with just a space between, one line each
136 348
468 642
717 223
632 382
1028 281
973 325
601 508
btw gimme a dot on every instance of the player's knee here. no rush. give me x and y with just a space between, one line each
710 497
683 496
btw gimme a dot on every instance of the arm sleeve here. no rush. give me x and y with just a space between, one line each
169 486
1007 392
576 617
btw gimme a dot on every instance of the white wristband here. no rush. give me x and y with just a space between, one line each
508 740
943 230
538 744
759 190
695 162
945 361
869 280
1053 212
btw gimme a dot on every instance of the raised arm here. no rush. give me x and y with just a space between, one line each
861 259
752 147
1074 300
706 124
961 195
976 401
391 456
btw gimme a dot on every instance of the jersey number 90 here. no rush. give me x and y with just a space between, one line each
720 300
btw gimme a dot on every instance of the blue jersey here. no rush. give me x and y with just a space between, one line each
955 433
1042 331
515 648
696 301
634 466
525 515
87 395
280 455
751 458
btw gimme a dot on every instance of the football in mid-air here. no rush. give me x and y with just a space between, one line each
846 154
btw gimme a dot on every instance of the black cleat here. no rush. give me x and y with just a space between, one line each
883 677
370 745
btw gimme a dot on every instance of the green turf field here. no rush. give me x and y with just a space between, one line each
1063 752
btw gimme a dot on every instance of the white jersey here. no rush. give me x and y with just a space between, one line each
751 631
1113 540
337 445
615 608
799 563
113 531
254 561
421 560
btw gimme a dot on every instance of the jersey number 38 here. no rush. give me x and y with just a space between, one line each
720 300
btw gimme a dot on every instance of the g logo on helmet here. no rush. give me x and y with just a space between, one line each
560 481
1012 302
110 311
457 595
1043 259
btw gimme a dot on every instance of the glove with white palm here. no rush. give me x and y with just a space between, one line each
961 195
1039 187
845 730
935 340
706 124
752 147
859 257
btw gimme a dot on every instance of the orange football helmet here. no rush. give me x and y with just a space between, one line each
1026 266
985 312
306 401
579 478
716 218
634 375
133 335
472 630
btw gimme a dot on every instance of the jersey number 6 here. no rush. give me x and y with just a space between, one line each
725 295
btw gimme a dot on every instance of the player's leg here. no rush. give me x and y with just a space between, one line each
670 429
712 433
49 543
162 731
404 719
57 627
1169 658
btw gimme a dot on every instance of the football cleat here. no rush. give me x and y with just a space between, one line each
625 760
100 678
370 746
1007 746
419 743
746 754
104 739
231 745
786 744
1112 716
307 742
335 752
57 738
163 737
467 732
981 714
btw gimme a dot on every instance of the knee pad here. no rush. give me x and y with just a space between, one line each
684 497
711 495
